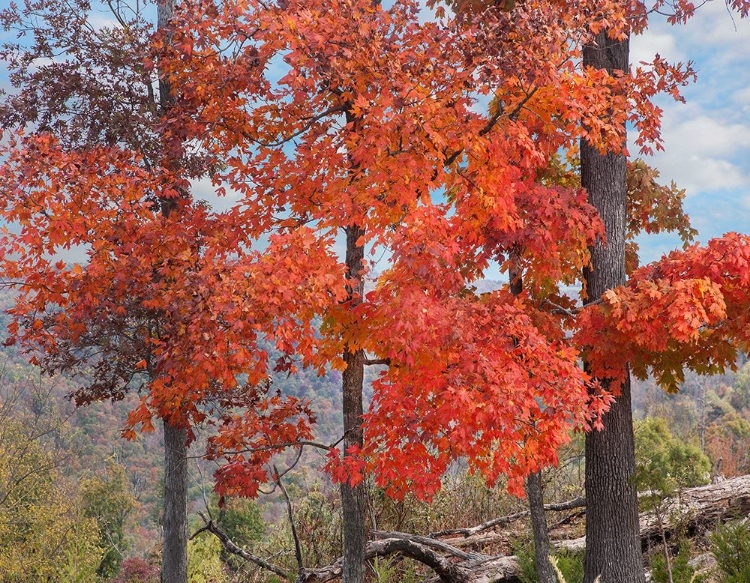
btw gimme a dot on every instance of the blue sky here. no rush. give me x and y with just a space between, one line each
706 140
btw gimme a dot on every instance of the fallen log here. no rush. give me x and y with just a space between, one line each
504 520
692 509
699 507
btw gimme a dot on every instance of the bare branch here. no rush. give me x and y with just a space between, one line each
426 541
311 121
503 520
280 446
231 547
290 513
377 362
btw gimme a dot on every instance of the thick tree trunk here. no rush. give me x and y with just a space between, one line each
174 549
353 499
613 549
612 538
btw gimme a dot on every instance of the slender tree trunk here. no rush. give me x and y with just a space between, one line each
174 549
544 571
354 499
613 550
174 526
534 492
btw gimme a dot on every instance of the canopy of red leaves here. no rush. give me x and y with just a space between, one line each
319 115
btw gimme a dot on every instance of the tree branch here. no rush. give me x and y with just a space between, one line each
290 513
377 361
503 520
232 548
426 541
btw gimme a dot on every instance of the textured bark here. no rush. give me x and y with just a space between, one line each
353 499
174 550
613 549
696 509
544 571
164 12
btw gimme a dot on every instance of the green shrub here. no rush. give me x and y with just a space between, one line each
393 570
524 551
681 571
665 463
730 545
570 564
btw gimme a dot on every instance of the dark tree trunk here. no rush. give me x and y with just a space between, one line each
174 549
613 550
174 525
544 571
354 499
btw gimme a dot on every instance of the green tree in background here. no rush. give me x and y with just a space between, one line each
204 560
665 463
44 537
108 501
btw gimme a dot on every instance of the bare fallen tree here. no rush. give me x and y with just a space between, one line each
692 509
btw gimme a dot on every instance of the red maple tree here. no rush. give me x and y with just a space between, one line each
331 117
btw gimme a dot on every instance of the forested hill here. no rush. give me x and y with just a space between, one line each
711 412
88 440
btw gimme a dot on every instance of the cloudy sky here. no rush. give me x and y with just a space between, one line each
706 140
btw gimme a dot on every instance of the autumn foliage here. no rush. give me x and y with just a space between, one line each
449 143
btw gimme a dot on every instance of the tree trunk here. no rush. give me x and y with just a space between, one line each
534 492
353 499
613 549
174 549
693 509
174 545
544 571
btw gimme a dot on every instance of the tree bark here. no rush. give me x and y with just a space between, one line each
544 571
174 548
612 537
174 545
353 498
534 492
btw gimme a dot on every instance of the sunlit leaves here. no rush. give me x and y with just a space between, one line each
688 310
313 117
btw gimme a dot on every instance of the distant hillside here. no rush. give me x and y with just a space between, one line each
712 411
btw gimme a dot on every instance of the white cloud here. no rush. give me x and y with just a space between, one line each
703 151
713 28
707 140
710 134
741 100
43 62
645 46
99 21
204 189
